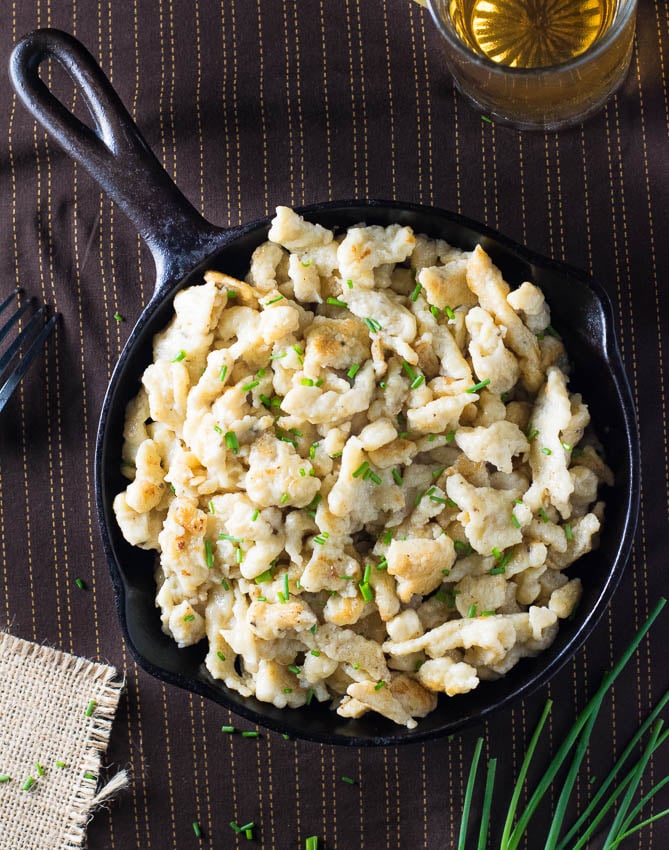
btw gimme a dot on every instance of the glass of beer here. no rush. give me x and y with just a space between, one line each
537 64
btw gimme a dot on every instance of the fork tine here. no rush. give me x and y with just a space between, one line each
9 298
13 319
36 320
26 360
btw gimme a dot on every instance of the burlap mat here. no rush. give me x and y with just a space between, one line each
56 713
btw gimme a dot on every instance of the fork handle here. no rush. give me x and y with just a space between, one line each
114 151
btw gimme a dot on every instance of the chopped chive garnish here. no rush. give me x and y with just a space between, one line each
515 521
251 386
449 312
28 784
255 515
89 775
263 577
225 584
232 293
416 292
218 429
419 497
288 690
439 500
373 325
307 382
188 618
364 466
337 302
286 589
279 356
366 591
497 554
274 300
6 778
179 357
39 769
311 843
196 829
239 555
531 432
569 534
231 441
543 515
310 696
348 780
315 652
383 385
367 573
212 507
222 373
566 446
349 283
284 498
118 317
313 628
299 352
450 436
379 685
261 599
228 729
545 450
250 734
471 611
90 708
383 564
61 764
434 310
220 655
437 472
476 387
461 547
208 554
372 476
446 572
306 263
80 584
387 536
261 373
295 669
397 476
495 571
408 369
417 381
223 536
312 450
353 371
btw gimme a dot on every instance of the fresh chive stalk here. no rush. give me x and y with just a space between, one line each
469 793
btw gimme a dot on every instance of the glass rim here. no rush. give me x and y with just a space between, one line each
624 12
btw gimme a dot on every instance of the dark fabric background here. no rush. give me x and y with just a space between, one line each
249 104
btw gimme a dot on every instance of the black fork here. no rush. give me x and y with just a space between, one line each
20 342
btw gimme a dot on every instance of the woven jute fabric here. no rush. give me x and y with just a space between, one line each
56 713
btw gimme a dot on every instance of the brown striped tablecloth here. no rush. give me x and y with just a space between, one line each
250 104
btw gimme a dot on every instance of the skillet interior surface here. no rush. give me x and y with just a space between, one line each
582 315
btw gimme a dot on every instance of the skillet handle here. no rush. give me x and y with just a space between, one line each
114 152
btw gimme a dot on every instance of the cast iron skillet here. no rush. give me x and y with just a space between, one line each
183 245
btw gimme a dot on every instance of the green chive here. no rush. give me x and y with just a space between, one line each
379 685
188 618
307 382
373 325
5 778
274 300
89 775
409 370
315 652
231 441
497 571
208 554
118 317
383 564
348 780
450 314
61 764
397 475
310 696
353 371
230 538
196 829
255 515
546 451
222 373
568 532
225 584
515 521
284 498
295 669
299 352
416 292
361 469
180 356
543 515
228 729
435 311
349 283
263 577
247 387
450 436
306 263
28 784
469 793
90 708
476 387
218 429
286 589
366 591
220 655
39 769
279 356
417 381
311 843
288 690
250 734
337 302
471 612
80 584
437 472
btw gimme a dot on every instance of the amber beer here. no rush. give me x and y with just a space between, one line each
537 63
